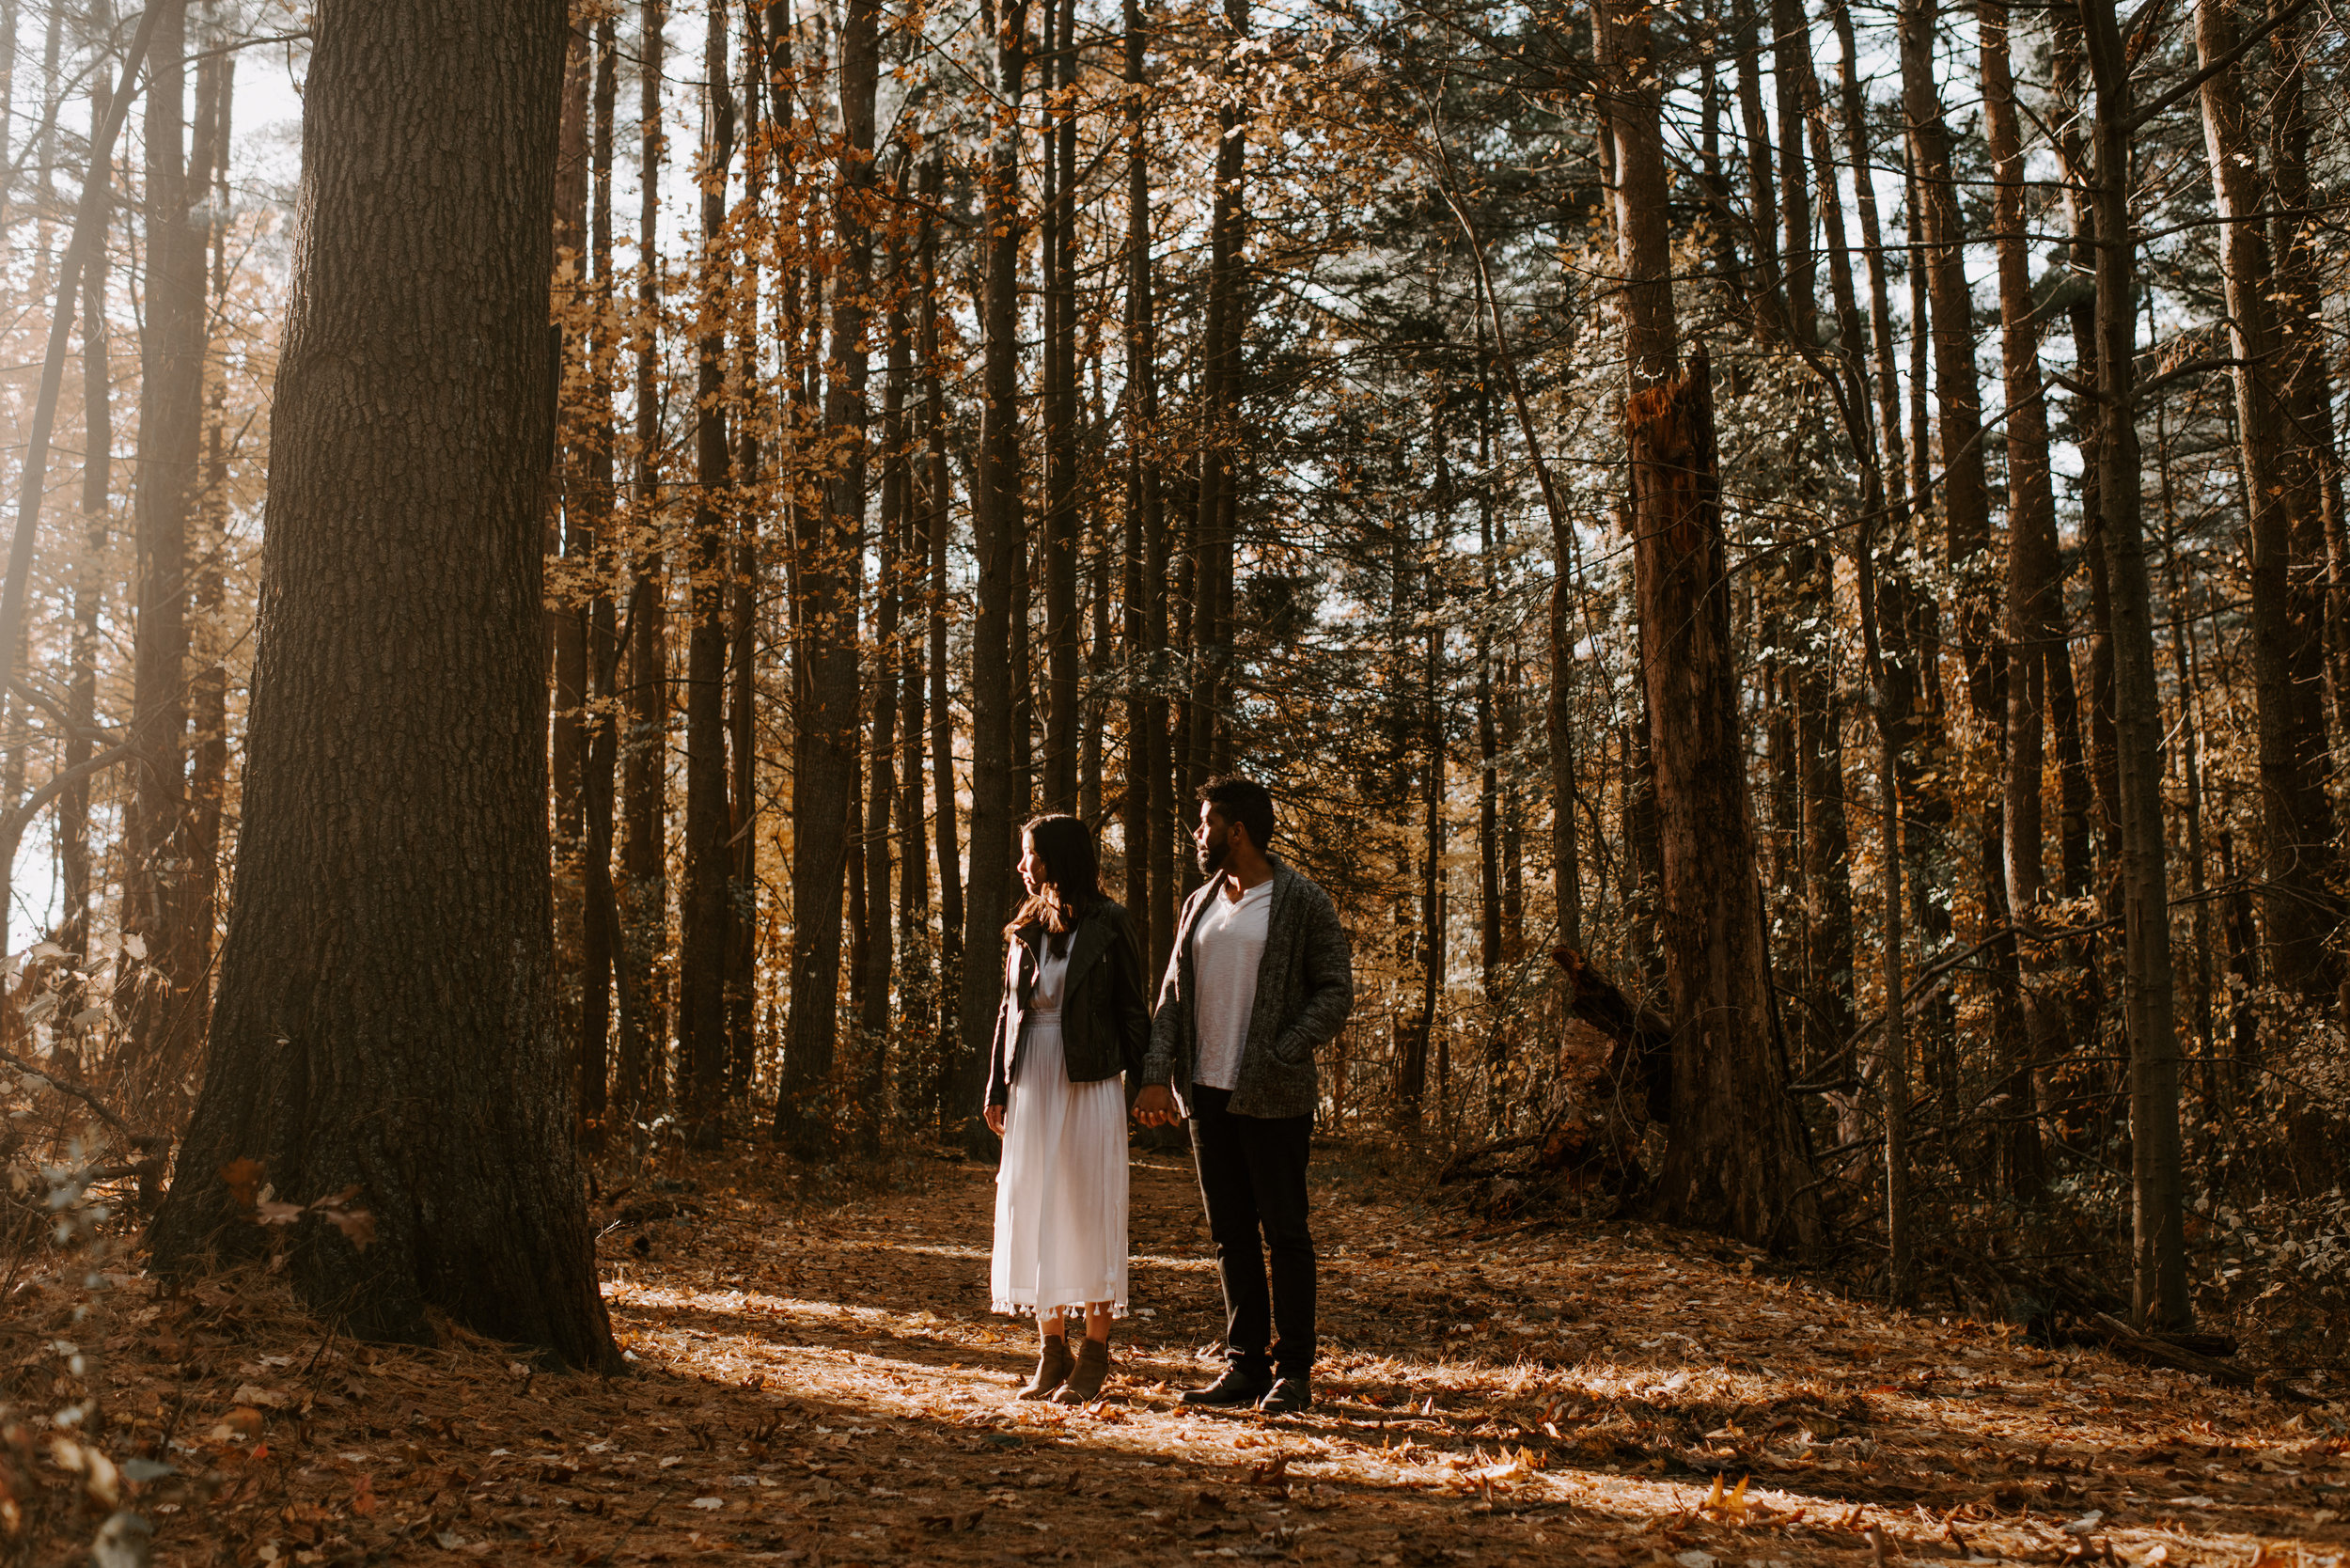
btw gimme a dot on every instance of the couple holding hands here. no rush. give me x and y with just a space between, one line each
1260 978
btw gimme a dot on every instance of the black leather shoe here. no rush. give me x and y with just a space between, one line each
1234 1391
1288 1396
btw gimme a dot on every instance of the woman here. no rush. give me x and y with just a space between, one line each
1073 1022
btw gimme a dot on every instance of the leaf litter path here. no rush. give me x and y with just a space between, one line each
825 1385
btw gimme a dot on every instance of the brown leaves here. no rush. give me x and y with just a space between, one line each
244 1180
949 1524
246 1190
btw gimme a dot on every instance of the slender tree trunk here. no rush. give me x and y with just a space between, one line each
918 987
208 772
570 541
703 916
391 1028
743 814
75 865
1058 79
882 780
158 898
1000 544
644 757
1827 840
938 523
2034 629
1220 435
567 622
1146 709
824 776
2157 1185
601 927
1766 298
2190 752
1791 58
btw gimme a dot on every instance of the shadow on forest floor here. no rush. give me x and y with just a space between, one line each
828 1385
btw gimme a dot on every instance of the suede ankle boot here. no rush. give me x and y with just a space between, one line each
1051 1369
1085 1383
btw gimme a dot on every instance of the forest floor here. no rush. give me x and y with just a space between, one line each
820 1381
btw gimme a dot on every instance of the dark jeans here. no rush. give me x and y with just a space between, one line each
1252 1177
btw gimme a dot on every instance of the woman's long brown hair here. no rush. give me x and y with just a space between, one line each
1073 878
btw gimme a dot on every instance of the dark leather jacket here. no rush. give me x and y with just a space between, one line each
1104 1004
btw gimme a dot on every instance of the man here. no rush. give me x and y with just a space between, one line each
1260 977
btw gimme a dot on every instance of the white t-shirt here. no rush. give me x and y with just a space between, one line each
1052 975
1226 944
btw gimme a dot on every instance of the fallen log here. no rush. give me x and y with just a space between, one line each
2166 1350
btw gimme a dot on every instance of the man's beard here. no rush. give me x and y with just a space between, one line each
1211 857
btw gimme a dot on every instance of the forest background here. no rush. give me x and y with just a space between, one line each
1590 465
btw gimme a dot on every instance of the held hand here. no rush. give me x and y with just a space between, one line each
1155 1107
996 1120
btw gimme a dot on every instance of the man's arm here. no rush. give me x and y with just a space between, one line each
1329 971
1158 1062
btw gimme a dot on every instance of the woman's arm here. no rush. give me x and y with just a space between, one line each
1129 997
999 1042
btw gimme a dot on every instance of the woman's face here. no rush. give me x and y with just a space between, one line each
1032 875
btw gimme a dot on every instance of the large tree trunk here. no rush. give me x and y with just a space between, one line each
824 778
2157 1185
2296 822
2319 649
385 1016
1735 1160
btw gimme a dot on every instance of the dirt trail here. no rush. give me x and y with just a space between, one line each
828 1385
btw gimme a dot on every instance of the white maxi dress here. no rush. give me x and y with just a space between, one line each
1061 1192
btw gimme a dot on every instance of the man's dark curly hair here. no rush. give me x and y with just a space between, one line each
1243 801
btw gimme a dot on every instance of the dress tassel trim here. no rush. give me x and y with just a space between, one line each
1079 1309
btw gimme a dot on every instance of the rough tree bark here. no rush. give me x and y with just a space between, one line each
385 1015
1735 1160
2296 822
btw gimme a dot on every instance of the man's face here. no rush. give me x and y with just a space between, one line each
1211 839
